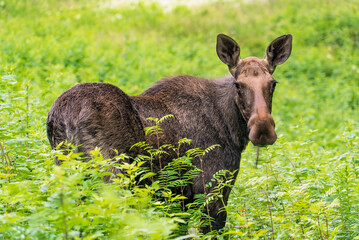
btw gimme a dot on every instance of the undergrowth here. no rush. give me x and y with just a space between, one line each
313 191
304 187
72 201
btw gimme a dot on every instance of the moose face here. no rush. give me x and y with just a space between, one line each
255 84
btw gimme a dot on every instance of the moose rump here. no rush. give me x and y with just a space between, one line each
93 115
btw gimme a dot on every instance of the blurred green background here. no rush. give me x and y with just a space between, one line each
46 47
50 46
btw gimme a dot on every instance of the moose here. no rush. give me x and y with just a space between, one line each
229 111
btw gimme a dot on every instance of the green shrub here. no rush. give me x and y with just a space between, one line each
305 185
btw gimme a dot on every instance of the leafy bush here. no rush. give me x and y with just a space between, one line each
305 186
73 200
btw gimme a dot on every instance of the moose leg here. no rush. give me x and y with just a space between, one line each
218 215
217 212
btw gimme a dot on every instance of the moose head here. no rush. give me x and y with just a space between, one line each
255 84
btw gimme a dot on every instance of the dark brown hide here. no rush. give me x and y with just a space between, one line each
229 111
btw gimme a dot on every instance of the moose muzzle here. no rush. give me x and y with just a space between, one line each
262 129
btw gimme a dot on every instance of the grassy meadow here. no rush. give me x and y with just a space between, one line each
306 186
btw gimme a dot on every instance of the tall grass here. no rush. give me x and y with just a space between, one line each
305 186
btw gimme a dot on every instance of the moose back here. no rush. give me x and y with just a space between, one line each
230 111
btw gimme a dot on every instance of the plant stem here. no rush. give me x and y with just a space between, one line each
326 224
301 226
320 232
295 171
7 163
27 109
257 156
63 215
268 205
279 185
205 195
158 147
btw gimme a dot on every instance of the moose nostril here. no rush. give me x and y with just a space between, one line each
261 138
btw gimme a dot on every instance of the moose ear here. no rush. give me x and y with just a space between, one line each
228 50
279 51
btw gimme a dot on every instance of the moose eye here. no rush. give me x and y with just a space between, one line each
236 85
274 83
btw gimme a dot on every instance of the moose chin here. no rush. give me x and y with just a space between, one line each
230 111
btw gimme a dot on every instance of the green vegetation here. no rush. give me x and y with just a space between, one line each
306 186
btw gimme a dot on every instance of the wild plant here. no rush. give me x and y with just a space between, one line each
169 183
7 166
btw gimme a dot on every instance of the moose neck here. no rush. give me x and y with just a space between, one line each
233 118
198 105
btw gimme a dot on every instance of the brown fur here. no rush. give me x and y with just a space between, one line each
228 111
